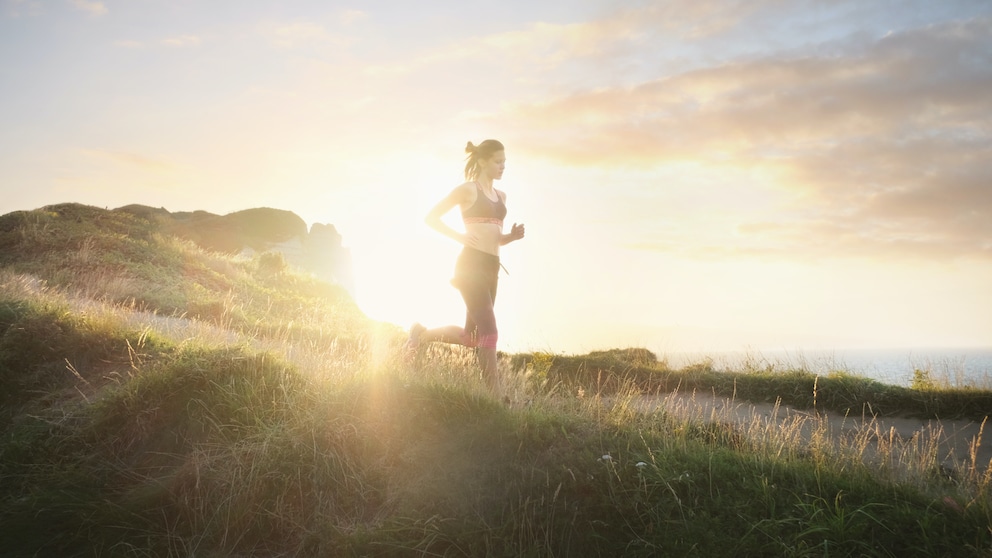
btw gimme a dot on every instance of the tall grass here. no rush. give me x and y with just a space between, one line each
838 391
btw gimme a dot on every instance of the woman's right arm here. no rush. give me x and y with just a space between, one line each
454 198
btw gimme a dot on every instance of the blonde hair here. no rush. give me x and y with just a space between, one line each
477 153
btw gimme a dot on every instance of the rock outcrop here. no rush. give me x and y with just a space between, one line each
263 229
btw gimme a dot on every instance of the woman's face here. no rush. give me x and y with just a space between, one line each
493 166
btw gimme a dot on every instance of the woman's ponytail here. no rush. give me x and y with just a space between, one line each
478 153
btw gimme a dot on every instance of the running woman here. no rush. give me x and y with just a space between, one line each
483 208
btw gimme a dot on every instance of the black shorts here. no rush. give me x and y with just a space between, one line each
476 277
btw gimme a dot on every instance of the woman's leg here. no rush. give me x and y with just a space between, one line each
447 334
487 361
479 293
480 323
458 335
453 335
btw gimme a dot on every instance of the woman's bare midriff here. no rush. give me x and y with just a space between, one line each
487 237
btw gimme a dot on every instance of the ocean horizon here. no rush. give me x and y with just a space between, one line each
959 367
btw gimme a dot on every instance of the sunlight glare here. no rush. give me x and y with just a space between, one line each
402 268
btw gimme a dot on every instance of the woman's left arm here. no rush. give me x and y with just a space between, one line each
516 233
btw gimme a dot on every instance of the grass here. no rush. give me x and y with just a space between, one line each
251 411
839 391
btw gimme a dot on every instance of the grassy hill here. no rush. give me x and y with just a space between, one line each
160 400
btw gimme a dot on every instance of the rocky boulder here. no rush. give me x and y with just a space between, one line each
263 229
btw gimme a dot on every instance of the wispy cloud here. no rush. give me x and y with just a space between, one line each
129 44
22 8
182 41
690 19
887 149
609 41
537 47
89 6
350 17
302 34
130 159
331 31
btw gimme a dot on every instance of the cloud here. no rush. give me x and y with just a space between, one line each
90 7
929 83
182 41
538 47
885 149
350 17
303 34
691 19
129 44
129 159
312 34
23 8
625 36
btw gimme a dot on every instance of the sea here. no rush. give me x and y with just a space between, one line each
956 367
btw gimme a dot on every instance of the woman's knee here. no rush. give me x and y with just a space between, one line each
477 338
469 338
488 341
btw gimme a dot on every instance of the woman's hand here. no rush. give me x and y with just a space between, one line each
516 233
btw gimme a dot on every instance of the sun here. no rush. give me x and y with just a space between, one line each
402 274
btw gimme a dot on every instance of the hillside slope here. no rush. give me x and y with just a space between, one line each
81 284
158 399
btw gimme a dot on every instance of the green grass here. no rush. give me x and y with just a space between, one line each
243 409
838 391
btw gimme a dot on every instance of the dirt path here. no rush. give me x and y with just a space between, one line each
956 446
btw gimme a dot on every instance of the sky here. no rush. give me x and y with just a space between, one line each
694 175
